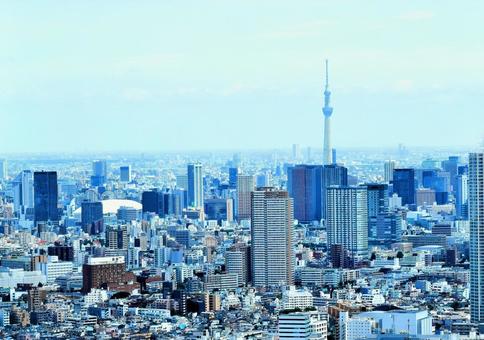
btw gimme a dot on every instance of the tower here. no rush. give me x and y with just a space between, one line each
328 112
195 185
476 218
45 196
271 234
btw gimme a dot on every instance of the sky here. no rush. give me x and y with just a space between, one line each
82 76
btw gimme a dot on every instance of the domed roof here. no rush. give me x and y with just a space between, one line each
111 206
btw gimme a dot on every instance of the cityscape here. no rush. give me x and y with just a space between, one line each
232 225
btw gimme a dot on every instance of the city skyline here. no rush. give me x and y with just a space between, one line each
403 68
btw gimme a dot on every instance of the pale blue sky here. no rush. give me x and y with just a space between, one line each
164 75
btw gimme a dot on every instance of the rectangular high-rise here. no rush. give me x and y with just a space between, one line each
404 185
195 185
245 185
99 173
332 175
92 217
125 173
304 186
347 219
476 219
45 196
271 234
23 191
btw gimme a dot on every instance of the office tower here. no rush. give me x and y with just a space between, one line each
451 166
296 152
389 167
99 173
439 181
245 185
347 219
63 252
404 185
117 237
263 180
152 202
195 186
387 229
128 214
125 173
425 196
304 187
328 112
476 218
378 200
183 237
220 209
23 188
271 234
100 271
233 175
461 196
237 260
182 182
45 196
332 175
92 217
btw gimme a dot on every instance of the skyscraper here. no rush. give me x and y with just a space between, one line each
195 185
245 185
328 112
99 173
476 218
153 201
461 196
233 175
92 217
304 187
23 187
332 175
404 185
45 196
347 219
125 173
389 167
271 234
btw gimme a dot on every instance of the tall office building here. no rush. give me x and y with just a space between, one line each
92 217
100 271
125 173
332 175
45 196
245 185
99 173
271 234
237 260
476 218
328 112
233 175
461 196
117 237
3 170
195 186
153 201
304 187
451 166
389 167
347 219
23 191
404 185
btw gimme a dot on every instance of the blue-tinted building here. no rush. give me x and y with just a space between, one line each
404 185
92 217
46 196
304 186
332 174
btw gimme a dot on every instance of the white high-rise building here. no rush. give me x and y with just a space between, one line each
293 298
388 170
302 325
195 186
476 219
245 185
347 219
271 233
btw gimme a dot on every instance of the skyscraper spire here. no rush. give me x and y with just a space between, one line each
327 111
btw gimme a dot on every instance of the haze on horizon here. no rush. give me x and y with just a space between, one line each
191 75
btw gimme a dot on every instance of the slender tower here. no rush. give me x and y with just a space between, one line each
327 111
